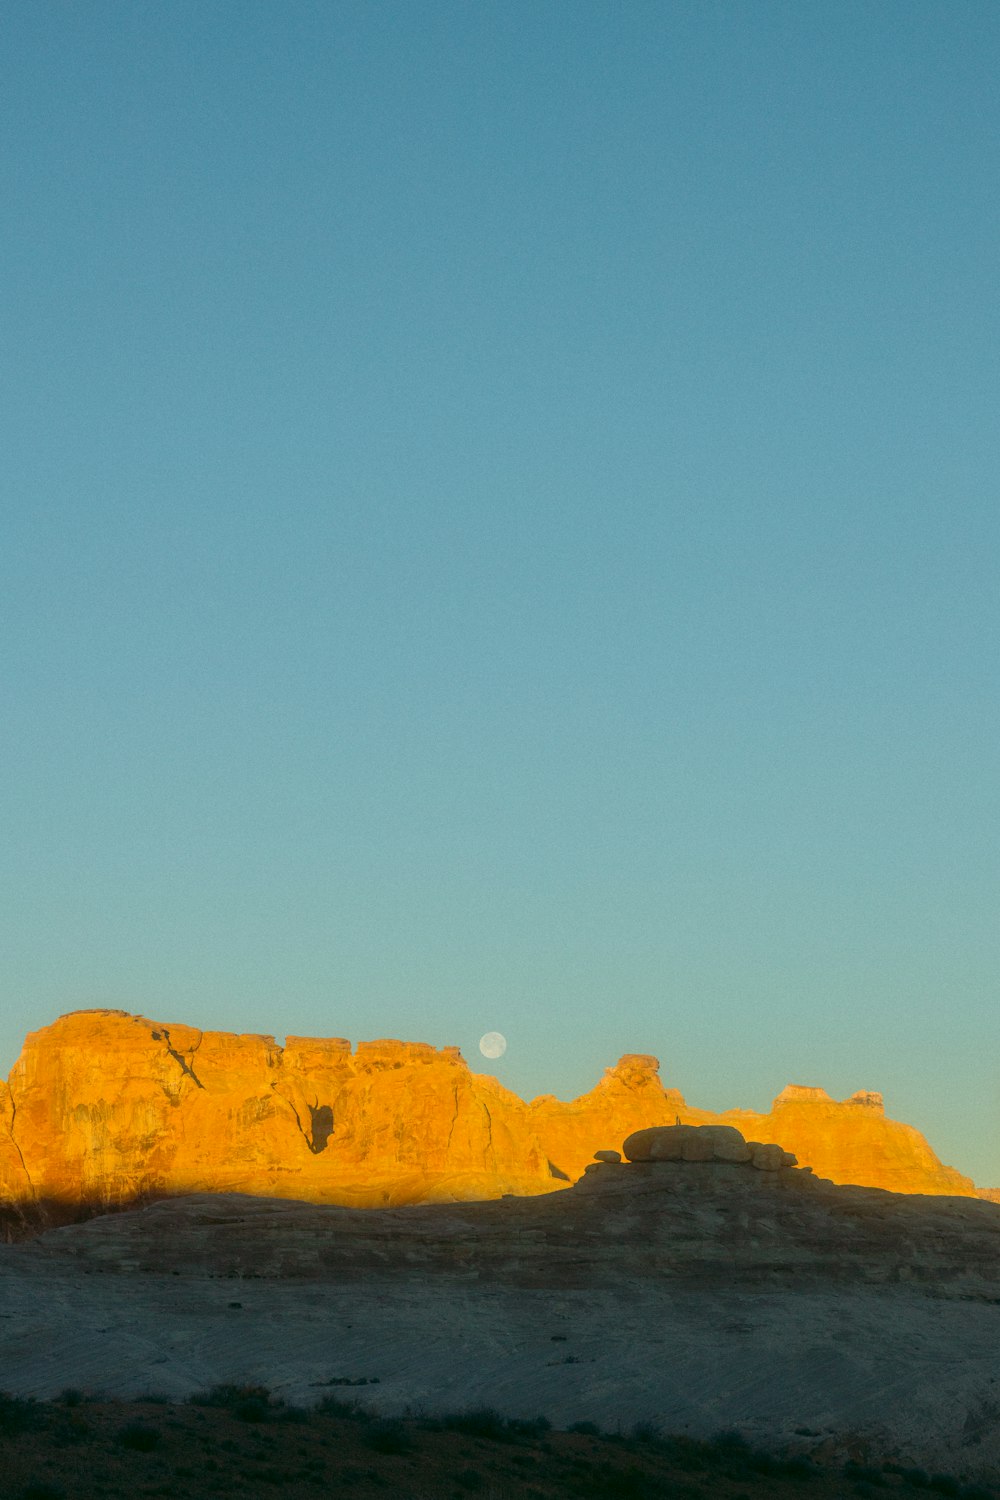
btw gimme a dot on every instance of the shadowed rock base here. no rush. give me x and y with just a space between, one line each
699 1295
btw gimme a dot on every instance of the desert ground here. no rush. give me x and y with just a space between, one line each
830 1323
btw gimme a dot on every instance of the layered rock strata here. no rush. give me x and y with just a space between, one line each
104 1108
709 1222
698 1296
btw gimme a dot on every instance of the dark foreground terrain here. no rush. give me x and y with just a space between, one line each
820 1323
238 1441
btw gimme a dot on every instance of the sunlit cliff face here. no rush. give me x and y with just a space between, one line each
104 1108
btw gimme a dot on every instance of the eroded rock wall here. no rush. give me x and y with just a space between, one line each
111 1107
852 1141
105 1108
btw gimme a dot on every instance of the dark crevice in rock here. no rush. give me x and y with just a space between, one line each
164 1036
320 1120
454 1117
555 1171
20 1153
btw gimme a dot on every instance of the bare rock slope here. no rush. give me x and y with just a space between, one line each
104 1108
701 1294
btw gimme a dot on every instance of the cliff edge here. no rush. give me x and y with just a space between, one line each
104 1109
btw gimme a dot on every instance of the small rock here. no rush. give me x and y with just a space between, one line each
737 1151
665 1139
768 1158
611 1156
727 1142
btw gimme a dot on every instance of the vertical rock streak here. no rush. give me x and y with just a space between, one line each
15 1144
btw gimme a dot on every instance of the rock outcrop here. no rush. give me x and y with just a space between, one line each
104 1109
852 1140
704 1143
109 1108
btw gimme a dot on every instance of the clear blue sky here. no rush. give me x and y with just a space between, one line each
499 529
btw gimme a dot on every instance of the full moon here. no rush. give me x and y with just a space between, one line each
493 1044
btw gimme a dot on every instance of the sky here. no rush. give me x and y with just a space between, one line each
499 530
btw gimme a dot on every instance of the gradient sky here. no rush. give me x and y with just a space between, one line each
500 529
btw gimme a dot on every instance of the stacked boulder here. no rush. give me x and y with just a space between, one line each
703 1143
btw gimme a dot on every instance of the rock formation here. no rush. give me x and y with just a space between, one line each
852 1141
703 1143
108 1108
104 1109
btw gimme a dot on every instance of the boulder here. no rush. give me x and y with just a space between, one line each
730 1150
610 1156
687 1143
697 1147
655 1143
769 1158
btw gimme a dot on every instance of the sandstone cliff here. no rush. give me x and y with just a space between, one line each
104 1108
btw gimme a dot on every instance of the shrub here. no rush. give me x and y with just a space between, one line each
17 1415
247 1403
252 1409
75 1428
138 1437
470 1479
739 1458
230 1396
295 1414
945 1484
799 1467
867 1473
686 1453
42 1490
607 1483
388 1437
336 1406
480 1421
585 1429
646 1432
528 1427
730 1442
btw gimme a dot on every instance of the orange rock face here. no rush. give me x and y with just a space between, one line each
104 1108
853 1141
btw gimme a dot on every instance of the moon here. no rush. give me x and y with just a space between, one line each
493 1044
